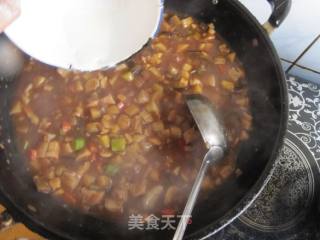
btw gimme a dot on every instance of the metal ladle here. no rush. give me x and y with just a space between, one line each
212 132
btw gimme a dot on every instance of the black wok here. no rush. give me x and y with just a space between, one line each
268 99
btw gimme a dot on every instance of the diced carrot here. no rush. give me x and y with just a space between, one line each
92 147
33 154
66 126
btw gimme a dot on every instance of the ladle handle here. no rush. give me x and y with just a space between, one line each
214 154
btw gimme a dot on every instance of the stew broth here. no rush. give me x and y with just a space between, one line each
122 141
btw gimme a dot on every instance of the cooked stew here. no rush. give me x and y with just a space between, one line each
122 141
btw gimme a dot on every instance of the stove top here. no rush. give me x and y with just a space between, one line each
287 209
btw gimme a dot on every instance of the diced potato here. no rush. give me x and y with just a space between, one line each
147 117
105 140
42 185
83 155
138 138
55 183
173 71
83 168
91 85
59 170
121 193
115 129
175 20
185 75
158 92
106 121
121 97
50 173
155 72
31 115
210 81
232 57
67 148
113 110
48 87
88 180
143 97
124 121
228 85
105 154
104 182
91 197
138 190
242 101
95 113
187 67
39 81
156 59
132 110
182 83
152 107
198 89
114 79
17 108
113 206
155 175
78 86
235 74
153 197
93 127
70 180
108 100
211 29
103 81
128 76
160 46
219 61
175 132
53 150
63 72
79 111
223 48
158 126
154 141
35 164
187 22
244 135
182 47
195 81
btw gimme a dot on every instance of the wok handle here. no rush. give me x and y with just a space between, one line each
280 10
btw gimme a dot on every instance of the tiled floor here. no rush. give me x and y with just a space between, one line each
298 38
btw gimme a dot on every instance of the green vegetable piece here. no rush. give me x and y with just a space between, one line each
79 143
118 144
26 145
111 169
